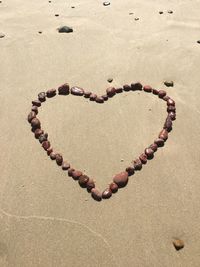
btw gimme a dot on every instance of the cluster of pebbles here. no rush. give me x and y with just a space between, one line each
121 179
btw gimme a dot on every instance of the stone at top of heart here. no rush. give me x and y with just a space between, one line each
120 179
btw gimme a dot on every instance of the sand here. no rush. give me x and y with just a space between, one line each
46 218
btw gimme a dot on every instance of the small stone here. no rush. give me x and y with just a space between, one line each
110 91
56 15
168 123
42 138
136 19
70 171
2 35
63 89
130 13
87 94
96 194
42 96
163 134
121 179
169 83
65 29
38 132
160 12
31 116
35 123
149 153
46 145
51 93
126 87
154 147
93 97
198 41
35 109
170 102
113 187
90 184
40 32
130 170
72 6
161 93
59 159
136 86
171 109
83 179
143 158
65 165
76 174
147 88
118 90
49 150
155 91
178 244
172 115
137 164
106 3
105 97
110 80
107 193
75 90
166 97
99 99
53 155
36 103
159 142
169 11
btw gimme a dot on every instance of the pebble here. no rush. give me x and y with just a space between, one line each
106 3
170 102
121 179
198 41
171 109
136 86
143 158
160 12
130 170
59 159
166 98
163 134
96 194
136 18
87 94
51 93
126 87
82 180
70 171
169 11
147 88
169 83
137 164
40 32
46 145
42 96
110 91
52 155
110 80
65 29
155 91
105 97
93 97
76 174
90 184
113 187
35 123
149 153
99 99
161 93
31 116
172 115
107 193
38 132
154 147
63 89
36 103
75 90
178 244
35 109
56 15
159 142
65 165
118 90
49 151
168 124
2 35
42 138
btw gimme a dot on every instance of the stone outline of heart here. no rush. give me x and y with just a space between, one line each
121 179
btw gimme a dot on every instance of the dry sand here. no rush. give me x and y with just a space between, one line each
46 219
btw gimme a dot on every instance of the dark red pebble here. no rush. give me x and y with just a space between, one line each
118 90
46 145
93 97
35 123
137 164
87 94
51 92
49 150
136 86
70 171
110 91
96 194
171 108
163 134
90 184
172 115
59 159
165 98
143 158
113 187
63 89
42 138
161 93
75 90
149 153
99 99
168 124
38 132
105 97
65 165
154 147
159 142
126 87
170 102
42 96
31 116
107 193
121 179
36 103
155 91
52 155
82 180
147 88
130 170
35 109
76 174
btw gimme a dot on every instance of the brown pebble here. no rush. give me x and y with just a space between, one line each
178 244
171 108
70 171
136 86
168 123
170 102
36 103
113 187
42 138
155 91
52 155
59 159
118 90
121 179
76 174
126 87
161 93
154 147
51 93
165 98
65 165
35 109
35 123
87 94
83 179
172 115
105 97
75 90
90 184
143 158
46 145
163 134
99 99
93 97
31 116
137 164
38 132
110 91
130 170
107 193
96 194
149 153
63 89
42 96
159 142
147 88
168 83
170 11
49 151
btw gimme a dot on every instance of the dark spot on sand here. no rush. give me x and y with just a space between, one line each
2 35
106 3
65 29
110 80
178 244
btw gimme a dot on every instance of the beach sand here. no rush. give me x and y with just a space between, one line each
46 218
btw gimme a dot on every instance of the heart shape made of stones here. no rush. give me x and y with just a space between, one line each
121 179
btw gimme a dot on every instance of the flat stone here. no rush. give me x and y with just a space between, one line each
75 90
2 35
121 179
106 3
169 83
65 29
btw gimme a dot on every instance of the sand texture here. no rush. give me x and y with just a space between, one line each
46 219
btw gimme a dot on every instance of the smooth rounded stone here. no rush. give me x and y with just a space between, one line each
36 103
163 134
130 170
149 153
46 145
171 108
147 88
49 150
38 132
96 194
75 90
178 244
35 123
59 159
53 155
110 91
51 93
70 171
169 11
143 158
136 86
121 179
2 35
160 12
106 3
118 90
87 94
40 32
35 109
172 115
161 93
93 97
159 142
168 124
198 42
99 99
113 187
105 97
169 83
90 184
137 164
42 138
56 15
155 91
136 19
42 96
82 180
154 147
109 80
65 29
65 165
165 98
126 87
63 89
170 102
76 174
31 116
107 193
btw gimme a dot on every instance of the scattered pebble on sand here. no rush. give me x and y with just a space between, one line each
160 12
40 32
136 18
169 83
110 80
56 15
106 3
65 29
130 13
169 11
178 244
49 1
198 41
72 6
2 35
